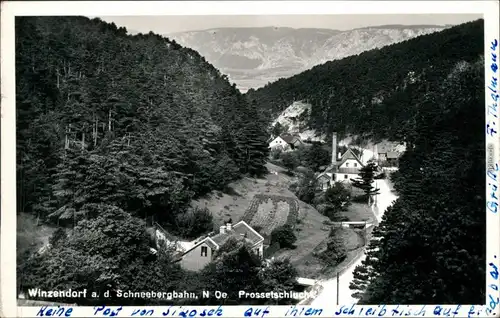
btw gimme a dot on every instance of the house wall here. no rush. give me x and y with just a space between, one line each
341 177
323 181
194 261
278 142
349 163
259 250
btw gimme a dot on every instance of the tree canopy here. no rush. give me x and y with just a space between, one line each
430 246
138 122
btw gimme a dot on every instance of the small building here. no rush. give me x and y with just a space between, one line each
325 180
286 142
392 157
388 152
203 251
343 167
278 143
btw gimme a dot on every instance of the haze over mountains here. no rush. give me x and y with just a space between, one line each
252 57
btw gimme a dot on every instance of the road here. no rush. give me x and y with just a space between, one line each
328 295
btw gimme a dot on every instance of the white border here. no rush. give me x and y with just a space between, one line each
8 307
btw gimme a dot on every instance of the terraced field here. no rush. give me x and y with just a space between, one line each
271 211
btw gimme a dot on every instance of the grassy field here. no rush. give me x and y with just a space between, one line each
312 267
240 195
310 226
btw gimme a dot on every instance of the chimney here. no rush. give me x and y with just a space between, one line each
334 148
229 226
223 229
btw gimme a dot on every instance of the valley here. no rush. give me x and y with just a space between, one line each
141 166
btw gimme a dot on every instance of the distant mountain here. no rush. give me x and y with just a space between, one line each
375 94
252 57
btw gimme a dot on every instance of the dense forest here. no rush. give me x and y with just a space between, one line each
430 246
114 131
137 122
371 94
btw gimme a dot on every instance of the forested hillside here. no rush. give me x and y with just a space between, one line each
428 92
114 130
373 93
430 245
137 122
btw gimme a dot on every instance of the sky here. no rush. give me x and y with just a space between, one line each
171 24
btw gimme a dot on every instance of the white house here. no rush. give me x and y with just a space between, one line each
279 143
343 167
286 142
203 252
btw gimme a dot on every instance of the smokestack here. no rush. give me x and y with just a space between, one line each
334 148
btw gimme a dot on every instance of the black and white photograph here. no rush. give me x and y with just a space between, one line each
317 160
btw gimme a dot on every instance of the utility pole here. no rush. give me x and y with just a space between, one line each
338 288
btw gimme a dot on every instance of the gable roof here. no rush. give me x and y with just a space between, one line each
276 138
239 229
349 154
288 138
326 175
207 240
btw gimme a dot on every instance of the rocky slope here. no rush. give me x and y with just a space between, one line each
252 57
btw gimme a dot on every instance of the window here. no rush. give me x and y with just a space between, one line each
204 251
347 164
355 164
345 176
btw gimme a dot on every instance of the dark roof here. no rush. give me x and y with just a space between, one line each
290 138
321 176
349 154
238 230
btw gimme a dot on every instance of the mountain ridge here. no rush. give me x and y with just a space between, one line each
377 92
253 57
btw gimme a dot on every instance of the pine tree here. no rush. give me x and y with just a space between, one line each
365 180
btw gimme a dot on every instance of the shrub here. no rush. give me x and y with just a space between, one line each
194 223
290 160
284 236
335 200
271 250
360 199
335 251
307 187
275 153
